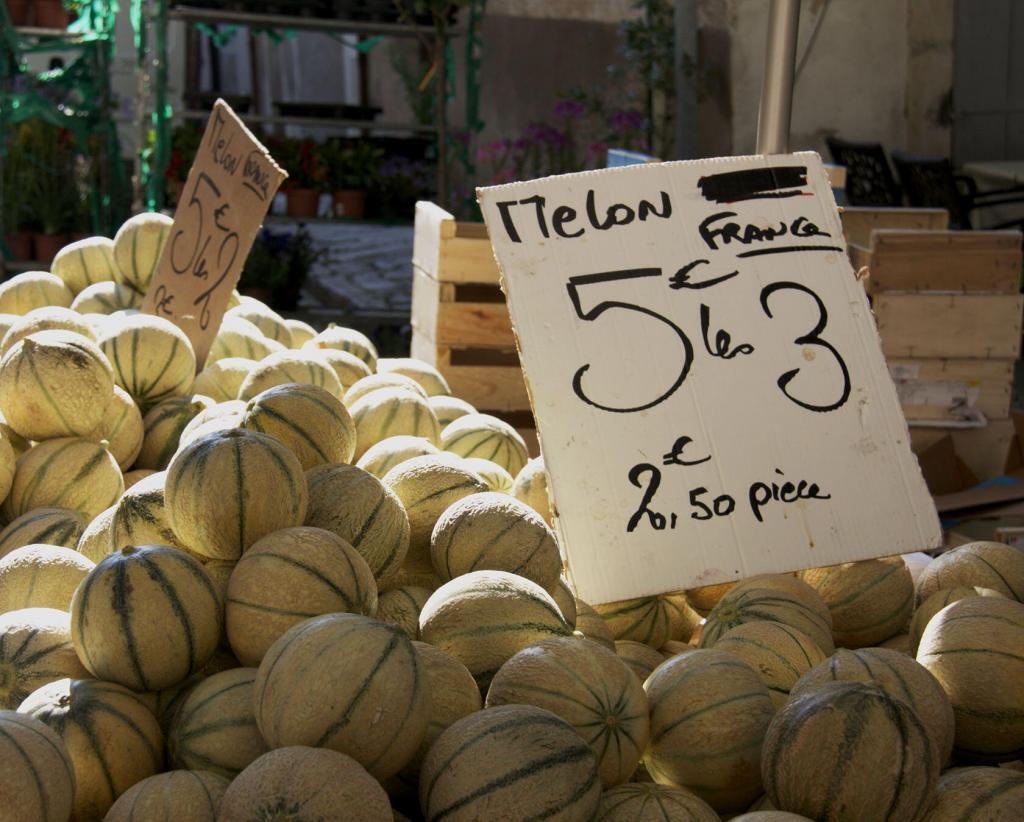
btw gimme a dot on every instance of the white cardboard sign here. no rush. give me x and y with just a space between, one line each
709 386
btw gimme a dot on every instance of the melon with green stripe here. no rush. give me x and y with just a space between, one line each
386 454
96 541
490 531
347 366
218 417
977 794
51 526
590 688
401 607
122 429
6 321
152 358
644 802
510 762
35 649
261 489
780 654
140 516
85 262
642 659
427 376
214 728
33 289
975 649
146 618
302 332
709 711
849 750
55 384
13 440
69 472
288 577
38 778
531 486
591 625
41 576
377 713
163 425
448 409
106 298
390 412
220 380
485 617
348 339
47 318
653 620
483 435
238 337
936 602
360 509
289 366
191 795
366 385
271 324
978 564
138 245
565 599
496 477
311 421
112 739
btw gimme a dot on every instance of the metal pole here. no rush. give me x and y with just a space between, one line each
777 87
686 79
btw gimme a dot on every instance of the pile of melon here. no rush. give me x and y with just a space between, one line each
307 583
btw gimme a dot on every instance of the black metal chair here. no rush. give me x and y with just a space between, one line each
869 180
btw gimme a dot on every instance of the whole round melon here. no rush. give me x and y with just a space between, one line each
977 794
360 509
590 688
496 477
510 762
146 618
806 612
47 318
390 412
426 375
85 262
325 784
531 487
448 409
220 380
239 338
302 332
122 429
849 751
710 702
50 526
220 416
35 649
163 425
55 384
97 540
652 620
590 624
106 298
33 289
268 321
41 576
483 435
939 600
375 382
285 367
703 599
261 489
484 617
110 735
6 321
348 683
646 802
565 599
151 356
138 244
975 649
37 781
8 465
288 577
214 728
140 516
641 659
381 457
192 795
347 366
491 531
348 339
770 816
401 607
977 564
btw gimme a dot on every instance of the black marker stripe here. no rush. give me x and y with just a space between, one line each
757 252
753 184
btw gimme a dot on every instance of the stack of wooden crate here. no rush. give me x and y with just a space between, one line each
460 322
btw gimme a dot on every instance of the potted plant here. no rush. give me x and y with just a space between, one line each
351 171
277 266
50 188
307 176
12 207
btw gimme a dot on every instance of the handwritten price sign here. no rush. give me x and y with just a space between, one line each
709 386
229 190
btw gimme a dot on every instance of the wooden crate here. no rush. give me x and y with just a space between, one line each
985 451
860 221
451 251
932 389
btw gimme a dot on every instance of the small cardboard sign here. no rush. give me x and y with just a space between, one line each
229 190
709 387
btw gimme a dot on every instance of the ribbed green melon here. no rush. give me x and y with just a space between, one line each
565 599
146 618
112 739
191 795
590 624
48 318
323 783
652 620
35 649
106 298
390 412
702 600
220 380
138 245
510 762
644 802
428 377
360 509
38 781
288 577
140 516
41 576
348 339
268 321
977 564
6 321
218 417
496 477
377 713
975 649
240 338
65 473
289 366
96 541
214 728
936 602
55 384
531 487
163 425
121 428
375 382
85 262
484 617
401 607
590 688
483 435
302 332
152 358
8 466
33 289
261 489
386 454
642 659
448 409
50 526
849 751
709 712
977 794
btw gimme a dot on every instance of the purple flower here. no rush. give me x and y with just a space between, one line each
628 120
566 109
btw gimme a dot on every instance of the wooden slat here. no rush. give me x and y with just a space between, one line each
452 251
433 226
452 314
859 222
501 387
953 326
985 450
426 302
989 381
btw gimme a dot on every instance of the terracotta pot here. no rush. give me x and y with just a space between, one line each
20 245
18 11
47 246
50 14
350 204
303 202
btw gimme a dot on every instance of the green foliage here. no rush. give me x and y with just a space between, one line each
351 166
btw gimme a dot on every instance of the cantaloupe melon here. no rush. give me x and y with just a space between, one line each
849 750
6 321
136 475
652 620
105 298
50 526
288 577
975 649
146 618
240 338
302 332
709 712
35 649
347 366
221 380
977 564
703 599
401 607
191 795
268 321
376 711
375 382
33 289
390 412
426 375
214 728
163 425
590 624
770 816
591 689
360 509
96 541
261 489
496 477
140 517
55 384
531 487
151 356
640 658
448 409
324 784
112 739
289 366
386 454
138 245
484 435
805 611
484 617
122 429
38 780
939 600
84 262
348 339
218 417
510 762
565 599
41 576
977 794
653 803
47 318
